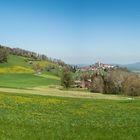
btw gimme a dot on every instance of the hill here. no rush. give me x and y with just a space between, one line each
19 73
16 64
22 59
27 61
133 67
23 71
14 60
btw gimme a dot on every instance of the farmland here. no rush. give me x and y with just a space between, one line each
70 70
35 106
40 117
25 80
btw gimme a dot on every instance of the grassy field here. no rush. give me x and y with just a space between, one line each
16 64
36 107
16 74
26 80
14 60
41 118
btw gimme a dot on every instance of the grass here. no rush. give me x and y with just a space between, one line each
25 80
56 91
40 117
14 60
35 117
16 64
46 63
49 75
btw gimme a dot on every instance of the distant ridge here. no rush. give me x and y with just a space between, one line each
82 65
132 67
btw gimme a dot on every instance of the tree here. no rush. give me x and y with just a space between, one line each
66 78
3 55
121 81
37 67
131 85
97 84
113 82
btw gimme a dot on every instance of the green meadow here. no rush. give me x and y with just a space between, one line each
21 77
26 80
14 60
53 118
30 109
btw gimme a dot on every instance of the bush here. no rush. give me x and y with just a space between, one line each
66 78
113 82
131 85
97 85
121 81
3 55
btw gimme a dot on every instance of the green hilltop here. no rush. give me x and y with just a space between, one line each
25 71
14 60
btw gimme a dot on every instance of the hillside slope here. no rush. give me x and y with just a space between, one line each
133 67
20 64
14 60
16 64
18 72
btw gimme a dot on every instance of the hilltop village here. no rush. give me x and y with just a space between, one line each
85 75
98 66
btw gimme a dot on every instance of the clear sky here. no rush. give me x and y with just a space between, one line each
76 31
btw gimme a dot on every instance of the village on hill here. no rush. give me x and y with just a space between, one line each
98 66
85 79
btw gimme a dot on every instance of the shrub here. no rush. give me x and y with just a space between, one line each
66 78
3 55
97 85
121 81
131 85
113 82
37 67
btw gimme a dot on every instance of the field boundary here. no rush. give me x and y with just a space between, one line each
47 91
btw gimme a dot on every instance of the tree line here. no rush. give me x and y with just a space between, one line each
32 56
116 81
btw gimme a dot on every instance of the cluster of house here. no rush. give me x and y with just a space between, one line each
97 66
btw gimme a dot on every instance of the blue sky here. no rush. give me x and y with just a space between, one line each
76 31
